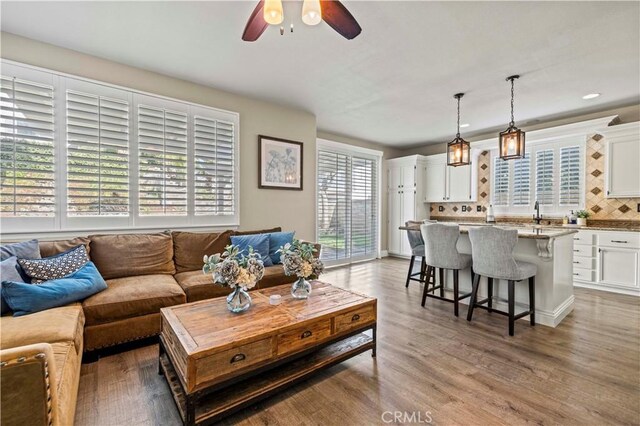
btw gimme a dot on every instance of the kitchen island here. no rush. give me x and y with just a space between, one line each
551 250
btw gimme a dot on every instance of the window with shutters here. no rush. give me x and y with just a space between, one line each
347 203
78 154
551 173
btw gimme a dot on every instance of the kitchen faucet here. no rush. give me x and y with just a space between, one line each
537 218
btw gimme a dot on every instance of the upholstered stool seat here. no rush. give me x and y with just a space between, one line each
440 242
492 251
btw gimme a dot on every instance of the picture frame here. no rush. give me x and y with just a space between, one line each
280 163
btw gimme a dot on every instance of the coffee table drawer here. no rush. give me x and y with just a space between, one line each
302 337
354 319
229 361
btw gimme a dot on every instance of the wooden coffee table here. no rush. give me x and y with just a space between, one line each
217 362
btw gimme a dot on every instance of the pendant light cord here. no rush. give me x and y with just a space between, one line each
512 120
458 134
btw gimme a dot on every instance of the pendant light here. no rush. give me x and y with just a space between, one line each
512 139
311 12
273 12
458 149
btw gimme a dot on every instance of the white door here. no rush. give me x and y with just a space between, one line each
459 183
618 266
434 186
623 173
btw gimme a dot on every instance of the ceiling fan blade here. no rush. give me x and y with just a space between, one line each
340 19
256 24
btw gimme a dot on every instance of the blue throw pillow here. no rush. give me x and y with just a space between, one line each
259 242
25 249
277 240
9 271
26 299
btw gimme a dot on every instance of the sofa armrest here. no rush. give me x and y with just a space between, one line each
317 246
28 392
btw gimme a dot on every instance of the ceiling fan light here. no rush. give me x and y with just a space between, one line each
273 12
311 12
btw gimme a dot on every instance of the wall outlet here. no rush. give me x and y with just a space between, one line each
464 208
440 208
479 209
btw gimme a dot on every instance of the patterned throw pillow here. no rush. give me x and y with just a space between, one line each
54 267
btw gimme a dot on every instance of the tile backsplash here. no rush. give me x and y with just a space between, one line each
599 206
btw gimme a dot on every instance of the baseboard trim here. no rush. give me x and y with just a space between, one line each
384 253
607 289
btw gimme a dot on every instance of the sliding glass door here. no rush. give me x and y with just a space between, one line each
347 205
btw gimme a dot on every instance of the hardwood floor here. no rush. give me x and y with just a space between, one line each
430 365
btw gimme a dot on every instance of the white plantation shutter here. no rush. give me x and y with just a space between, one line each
214 167
27 153
500 182
522 181
364 207
97 155
570 176
545 177
162 161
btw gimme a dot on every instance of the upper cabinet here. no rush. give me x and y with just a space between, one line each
622 173
446 184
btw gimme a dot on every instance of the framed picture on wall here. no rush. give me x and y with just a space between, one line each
280 163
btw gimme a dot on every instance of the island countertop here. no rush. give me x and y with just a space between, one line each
532 231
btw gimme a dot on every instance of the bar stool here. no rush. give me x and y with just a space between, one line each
417 250
492 251
441 252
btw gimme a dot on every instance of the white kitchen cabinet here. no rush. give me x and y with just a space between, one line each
446 184
618 266
405 191
622 174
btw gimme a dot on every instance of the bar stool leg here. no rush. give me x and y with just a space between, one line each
441 282
455 291
423 270
490 294
532 300
474 296
512 306
426 287
413 258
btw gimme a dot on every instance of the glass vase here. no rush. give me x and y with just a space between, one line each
239 300
301 289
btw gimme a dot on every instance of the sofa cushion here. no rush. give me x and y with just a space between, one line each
261 231
67 378
64 324
128 255
51 248
132 296
199 286
273 276
190 247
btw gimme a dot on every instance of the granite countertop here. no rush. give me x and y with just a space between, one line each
531 232
592 225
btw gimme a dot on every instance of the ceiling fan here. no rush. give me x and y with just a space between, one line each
334 13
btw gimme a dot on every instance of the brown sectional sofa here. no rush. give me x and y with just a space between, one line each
144 273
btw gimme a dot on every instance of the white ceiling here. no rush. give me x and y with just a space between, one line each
394 83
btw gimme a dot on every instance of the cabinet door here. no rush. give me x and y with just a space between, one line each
434 185
623 173
408 177
394 179
395 221
459 184
408 213
619 266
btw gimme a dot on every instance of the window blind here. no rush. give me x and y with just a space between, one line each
500 182
162 161
27 154
570 176
522 181
544 177
363 207
214 167
97 155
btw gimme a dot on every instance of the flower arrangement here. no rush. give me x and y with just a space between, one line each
233 269
298 259
583 214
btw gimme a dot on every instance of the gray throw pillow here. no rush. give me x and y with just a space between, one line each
25 250
9 271
54 267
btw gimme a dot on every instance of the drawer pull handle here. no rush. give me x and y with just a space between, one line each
575 273
356 317
620 241
306 334
238 358
575 251
575 262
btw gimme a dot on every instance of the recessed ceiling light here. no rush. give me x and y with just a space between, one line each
464 125
591 96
